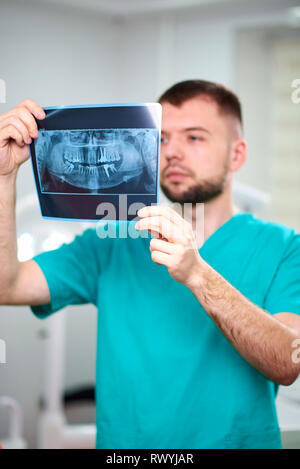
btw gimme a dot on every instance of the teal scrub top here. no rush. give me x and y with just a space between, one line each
166 377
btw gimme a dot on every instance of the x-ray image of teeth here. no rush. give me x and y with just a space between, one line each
93 161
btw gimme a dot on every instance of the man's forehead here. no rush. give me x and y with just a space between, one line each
195 112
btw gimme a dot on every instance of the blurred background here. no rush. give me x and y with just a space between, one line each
104 51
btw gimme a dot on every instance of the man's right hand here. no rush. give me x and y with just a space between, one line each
17 129
20 282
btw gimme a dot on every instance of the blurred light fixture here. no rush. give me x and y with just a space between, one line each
53 241
295 12
25 247
293 17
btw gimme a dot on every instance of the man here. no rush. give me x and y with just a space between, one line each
192 343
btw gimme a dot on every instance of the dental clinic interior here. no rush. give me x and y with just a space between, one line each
58 53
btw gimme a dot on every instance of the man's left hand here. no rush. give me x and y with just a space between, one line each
174 245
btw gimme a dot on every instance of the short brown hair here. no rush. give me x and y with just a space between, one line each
227 102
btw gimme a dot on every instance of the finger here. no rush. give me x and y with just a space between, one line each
19 125
28 120
154 234
161 258
34 108
164 227
151 223
162 246
10 132
160 210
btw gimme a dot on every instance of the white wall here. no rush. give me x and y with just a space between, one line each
55 56
66 56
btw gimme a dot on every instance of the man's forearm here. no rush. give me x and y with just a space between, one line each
8 243
264 341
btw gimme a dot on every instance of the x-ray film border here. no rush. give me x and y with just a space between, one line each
89 220
79 106
35 182
57 109
97 193
98 128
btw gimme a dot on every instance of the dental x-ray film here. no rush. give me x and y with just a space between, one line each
97 162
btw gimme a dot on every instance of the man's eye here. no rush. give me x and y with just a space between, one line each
163 140
195 138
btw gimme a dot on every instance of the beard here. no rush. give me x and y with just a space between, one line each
200 192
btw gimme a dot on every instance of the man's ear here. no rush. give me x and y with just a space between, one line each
239 153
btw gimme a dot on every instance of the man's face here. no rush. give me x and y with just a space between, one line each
195 151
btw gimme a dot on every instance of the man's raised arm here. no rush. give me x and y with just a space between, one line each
20 282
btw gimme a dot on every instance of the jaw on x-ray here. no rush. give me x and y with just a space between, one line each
97 161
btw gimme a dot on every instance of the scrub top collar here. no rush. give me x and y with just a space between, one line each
223 229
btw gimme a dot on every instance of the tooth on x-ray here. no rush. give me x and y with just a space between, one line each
92 159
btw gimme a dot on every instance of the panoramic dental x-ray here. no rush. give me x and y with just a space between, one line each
70 163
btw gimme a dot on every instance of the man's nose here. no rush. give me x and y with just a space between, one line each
172 150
